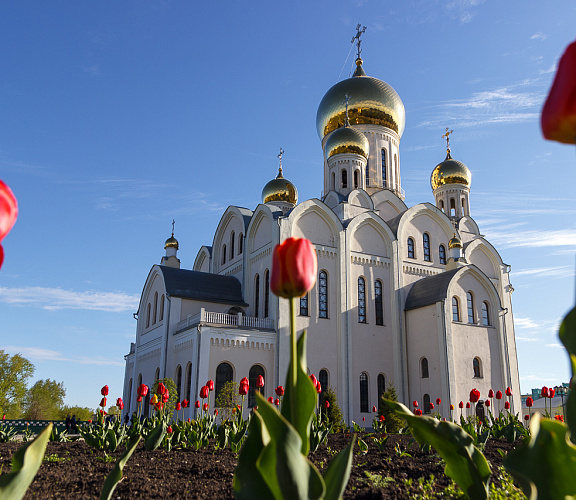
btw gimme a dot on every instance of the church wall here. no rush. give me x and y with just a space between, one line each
149 320
481 260
386 210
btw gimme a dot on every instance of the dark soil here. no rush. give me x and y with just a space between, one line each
74 470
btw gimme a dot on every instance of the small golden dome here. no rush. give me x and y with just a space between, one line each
280 189
371 101
171 243
450 171
455 242
347 140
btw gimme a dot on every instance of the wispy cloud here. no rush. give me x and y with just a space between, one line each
562 271
533 238
41 354
57 298
464 9
526 323
538 36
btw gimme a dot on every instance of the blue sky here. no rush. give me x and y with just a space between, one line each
119 116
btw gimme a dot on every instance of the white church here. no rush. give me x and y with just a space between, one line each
410 296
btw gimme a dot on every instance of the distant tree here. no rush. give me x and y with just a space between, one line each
14 374
227 399
44 400
392 421
172 393
334 412
82 413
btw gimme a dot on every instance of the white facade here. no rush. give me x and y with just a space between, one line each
382 311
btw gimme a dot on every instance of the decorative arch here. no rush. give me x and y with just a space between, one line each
365 222
361 198
202 261
224 374
233 219
263 216
484 256
325 214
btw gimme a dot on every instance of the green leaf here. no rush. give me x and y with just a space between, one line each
286 470
299 402
544 466
464 462
25 465
114 477
338 472
567 334
156 436
248 482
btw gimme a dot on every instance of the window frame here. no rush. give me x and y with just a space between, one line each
424 368
456 309
362 312
323 292
442 254
364 393
470 308
426 246
411 248
486 313
379 302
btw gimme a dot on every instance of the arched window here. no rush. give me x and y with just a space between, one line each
266 292
477 367
455 309
179 382
333 183
188 381
426 243
161 308
223 254
426 400
252 378
367 175
224 374
355 179
424 367
452 206
323 379
442 254
470 303
442 205
378 302
381 386
384 179
155 311
232 239
240 243
304 305
411 253
323 295
256 295
485 313
344 179
361 300
148 308
364 403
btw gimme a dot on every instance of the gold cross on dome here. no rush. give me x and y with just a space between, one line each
447 137
346 101
359 33
173 222
280 154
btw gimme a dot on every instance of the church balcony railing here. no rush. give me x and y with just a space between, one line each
224 319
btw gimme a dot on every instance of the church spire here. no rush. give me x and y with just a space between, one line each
171 247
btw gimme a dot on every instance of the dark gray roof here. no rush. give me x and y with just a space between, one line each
394 223
206 287
429 290
246 215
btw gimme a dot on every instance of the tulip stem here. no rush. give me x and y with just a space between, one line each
293 353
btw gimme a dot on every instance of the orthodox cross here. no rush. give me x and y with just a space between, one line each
357 37
280 159
447 137
173 222
346 100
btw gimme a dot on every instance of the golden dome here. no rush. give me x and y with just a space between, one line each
347 140
455 242
280 189
450 171
371 101
171 243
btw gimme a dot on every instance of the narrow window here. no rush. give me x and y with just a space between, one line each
256 295
485 313
470 303
355 179
452 207
384 168
411 248
477 367
424 367
179 382
157 374
426 399
344 179
148 315
455 309
252 379
381 386
323 379
266 292
323 295
333 182
378 302
304 305
161 308
188 381
129 397
426 242
361 300
240 243
155 311
367 175
223 254
442 205
364 392
232 239
442 254
224 374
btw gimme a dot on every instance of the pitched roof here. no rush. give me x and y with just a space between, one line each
200 286
429 290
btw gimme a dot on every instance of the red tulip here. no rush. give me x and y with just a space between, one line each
418 412
415 404
326 404
487 403
490 393
294 268
178 406
8 213
3 417
467 405
260 381
139 399
544 392
314 380
526 417
451 407
374 409
498 395
204 392
507 405
551 392
382 418
461 404
277 401
215 412
558 118
438 401
474 395
243 389
161 389
318 387
206 406
197 404
104 391
169 430
431 405
210 385
165 397
159 406
280 391
185 403
271 400
189 420
529 402
244 381
142 390
89 420
508 391
103 402
363 419
120 403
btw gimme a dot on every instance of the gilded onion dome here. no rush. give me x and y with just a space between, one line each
450 171
455 242
171 243
372 101
280 189
347 140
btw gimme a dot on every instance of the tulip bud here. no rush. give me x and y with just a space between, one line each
243 389
279 391
104 391
277 401
529 401
8 213
271 400
363 419
169 430
103 402
374 409
215 412
294 268
438 401
139 399
467 406
120 403
197 404
326 404
418 412
154 399
461 404
178 406
415 404
185 403
474 395
260 381
451 407
490 393
508 391
206 406
210 385
544 392
382 418
526 417
3 417
498 395
161 389
551 392
507 405
314 379
487 403
204 392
